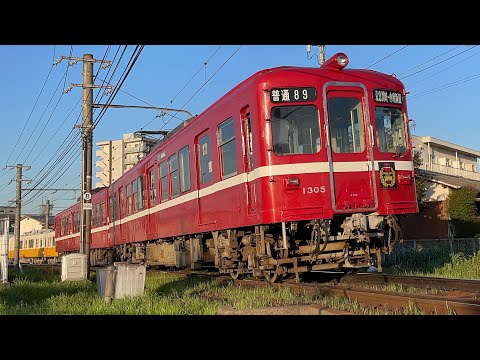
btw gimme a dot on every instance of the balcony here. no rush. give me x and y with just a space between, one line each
442 169
134 150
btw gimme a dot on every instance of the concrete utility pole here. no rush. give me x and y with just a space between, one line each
46 211
110 164
18 212
321 49
86 127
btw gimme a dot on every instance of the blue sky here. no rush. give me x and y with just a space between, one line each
38 119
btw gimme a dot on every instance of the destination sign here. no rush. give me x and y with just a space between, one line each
387 96
295 94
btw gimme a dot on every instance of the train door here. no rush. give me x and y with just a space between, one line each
248 161
350 152
204 176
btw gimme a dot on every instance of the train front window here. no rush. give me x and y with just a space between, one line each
390 130
295 130
346 125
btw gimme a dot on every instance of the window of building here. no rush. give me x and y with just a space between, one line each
226 143
164 180
205 159
184 167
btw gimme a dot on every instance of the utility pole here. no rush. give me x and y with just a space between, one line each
321 49
110 164
46 211
18 212
87 140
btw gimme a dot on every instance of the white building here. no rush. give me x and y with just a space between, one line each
123 154
447 166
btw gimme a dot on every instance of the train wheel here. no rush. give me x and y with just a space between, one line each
272 275
237 274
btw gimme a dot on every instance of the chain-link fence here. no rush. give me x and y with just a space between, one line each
420 252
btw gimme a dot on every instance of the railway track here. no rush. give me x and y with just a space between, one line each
446 304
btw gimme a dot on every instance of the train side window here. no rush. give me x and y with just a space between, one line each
97 214
163 180
129 199
122 202
173 163
205 159
103 216
226 143
152 185
140 202
135 195
113 207
184 168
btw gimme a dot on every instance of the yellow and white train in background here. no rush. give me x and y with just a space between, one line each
36 247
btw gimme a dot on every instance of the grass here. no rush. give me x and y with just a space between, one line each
40 291
36 292
436 263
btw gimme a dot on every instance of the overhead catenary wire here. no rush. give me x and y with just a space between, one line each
386 57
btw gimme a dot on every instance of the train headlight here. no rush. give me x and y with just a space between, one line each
336 62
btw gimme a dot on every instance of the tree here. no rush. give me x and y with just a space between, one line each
420 181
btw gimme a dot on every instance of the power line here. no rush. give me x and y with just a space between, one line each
424 62
457 82
428 77
429 67
386 57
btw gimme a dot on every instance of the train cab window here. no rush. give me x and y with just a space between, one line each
173 163
295 130
184 168
226 142
164 180
346 125
390 130
205 159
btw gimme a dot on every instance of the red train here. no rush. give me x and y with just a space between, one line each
293 170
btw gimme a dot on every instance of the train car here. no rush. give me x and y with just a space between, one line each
295 169
37 247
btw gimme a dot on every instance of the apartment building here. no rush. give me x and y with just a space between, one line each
122 155
446 165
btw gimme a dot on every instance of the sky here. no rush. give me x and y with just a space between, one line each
38 115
